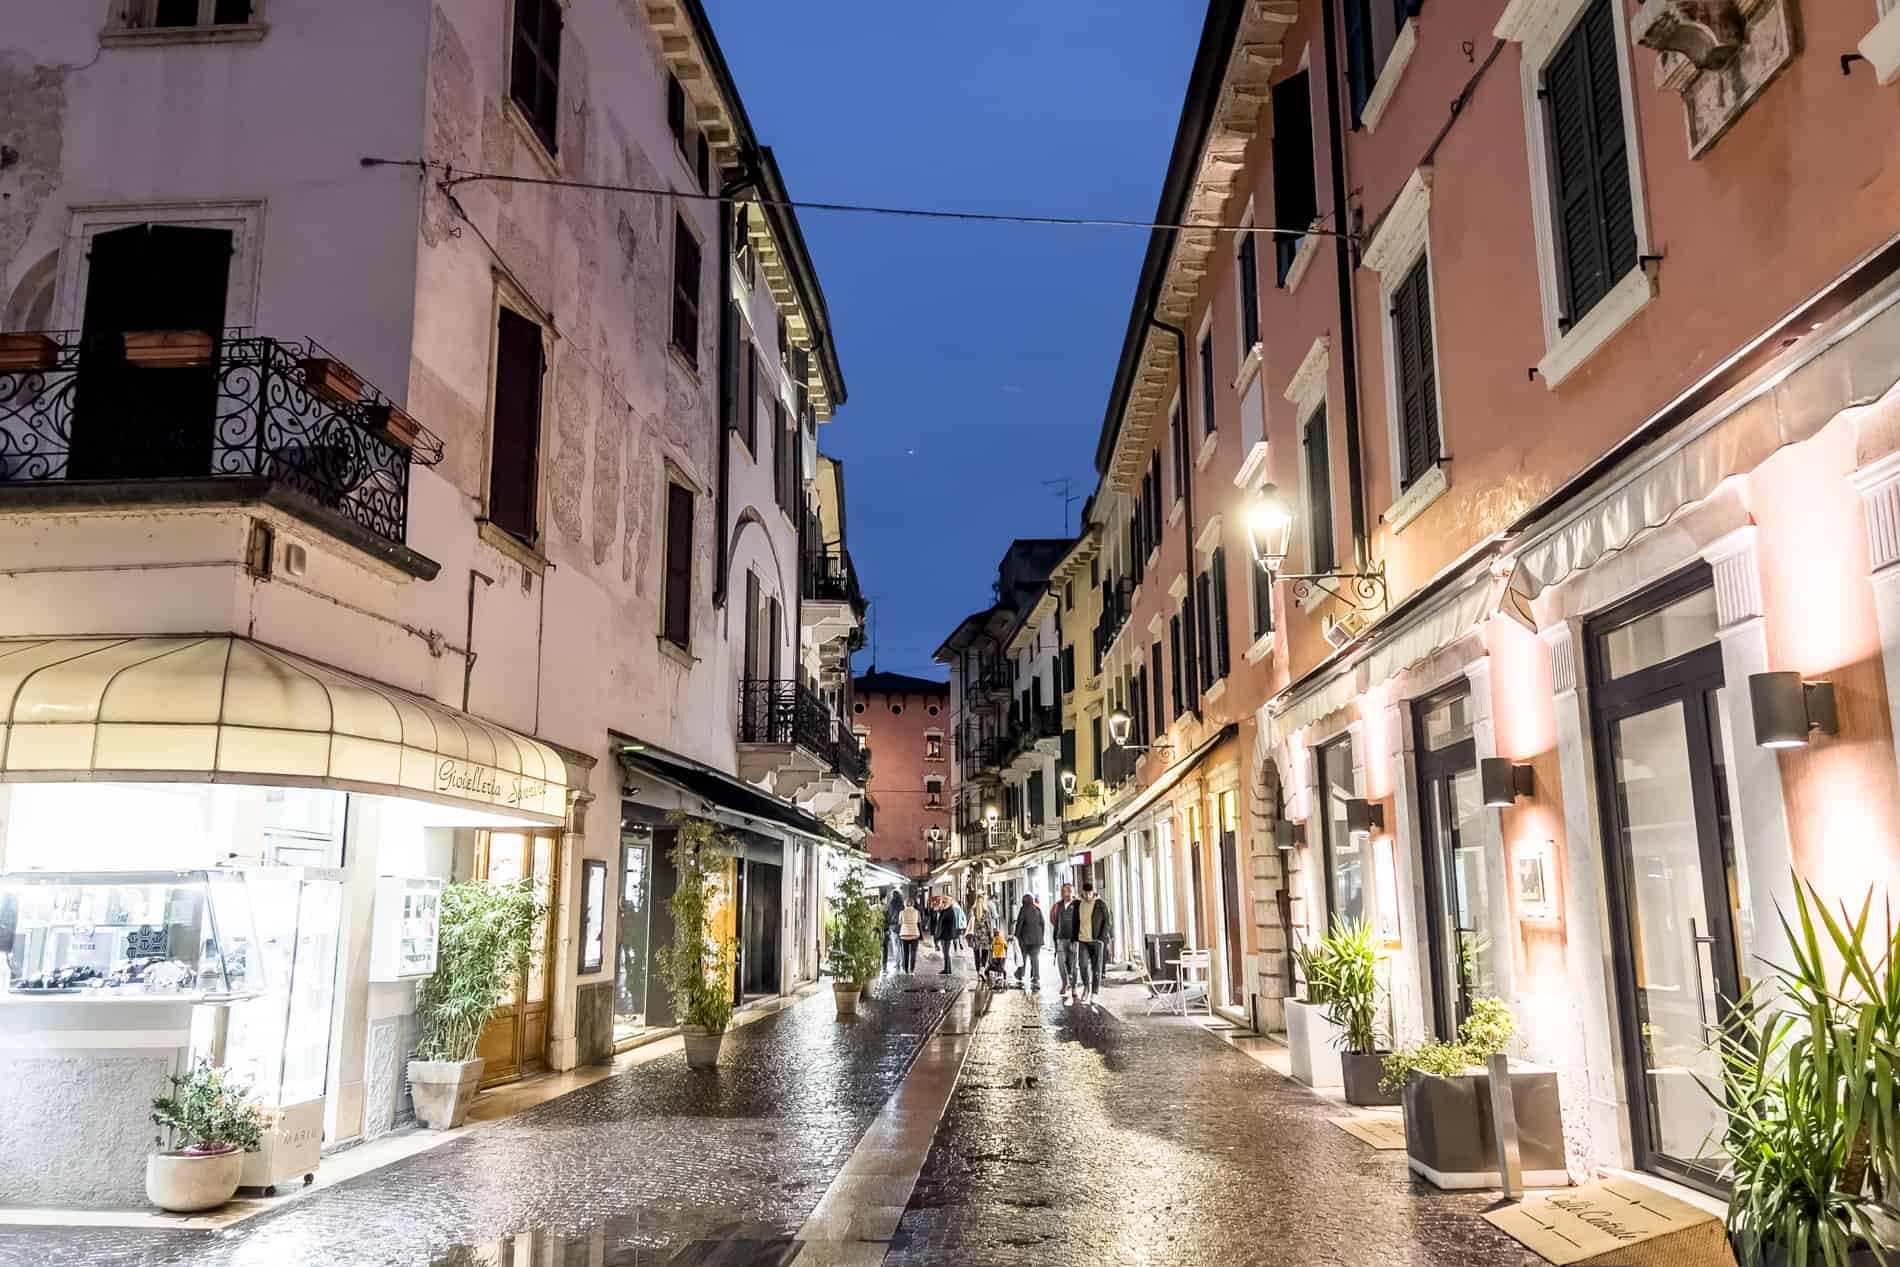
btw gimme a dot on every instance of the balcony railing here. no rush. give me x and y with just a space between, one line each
1117 602
978 757
986 676
830 577
776 711
232 406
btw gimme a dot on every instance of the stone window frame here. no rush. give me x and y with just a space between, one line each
933 796
128 24
506 294
936 734
244 220
1402 239
1881 45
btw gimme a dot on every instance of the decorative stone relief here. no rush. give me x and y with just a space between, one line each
1563 658
1879 486
381 1076
1719 54
1737 580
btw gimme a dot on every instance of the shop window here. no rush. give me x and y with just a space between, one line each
1347 870
1457 882
686 281
515 445
678 620
534 75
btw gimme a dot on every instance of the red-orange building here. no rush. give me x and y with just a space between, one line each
907 719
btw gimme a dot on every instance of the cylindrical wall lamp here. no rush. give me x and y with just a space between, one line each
1504 781
1787 709
1364 817
1288 836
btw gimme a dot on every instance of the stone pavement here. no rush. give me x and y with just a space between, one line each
656 1165
1094 1134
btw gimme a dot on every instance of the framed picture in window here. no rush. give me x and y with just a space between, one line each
593 914
1533 881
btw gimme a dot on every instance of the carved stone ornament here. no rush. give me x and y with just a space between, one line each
1719 54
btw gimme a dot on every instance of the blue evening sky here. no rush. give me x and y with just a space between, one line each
978 357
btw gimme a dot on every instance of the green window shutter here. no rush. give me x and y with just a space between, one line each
1418 379
1589 161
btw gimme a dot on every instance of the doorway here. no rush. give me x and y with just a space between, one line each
632 952
760 905
1658 704
1230 881
515 1043
1451 849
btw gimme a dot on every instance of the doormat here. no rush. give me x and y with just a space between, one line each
1383 1133
1617 1221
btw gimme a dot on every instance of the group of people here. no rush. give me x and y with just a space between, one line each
1080 929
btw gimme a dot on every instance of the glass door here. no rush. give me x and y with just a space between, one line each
1456 891
1658 698
630 939
1233 969
515 1041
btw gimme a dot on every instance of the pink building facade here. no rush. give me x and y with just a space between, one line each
906 721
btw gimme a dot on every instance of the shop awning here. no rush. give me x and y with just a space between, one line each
724 790
224 709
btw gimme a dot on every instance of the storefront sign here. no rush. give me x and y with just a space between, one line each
482 783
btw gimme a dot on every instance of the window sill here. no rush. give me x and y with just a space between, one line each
679 359
1302 260
1214 692
1253 470
1206 455
1249 368
1881 47
1410 504
1614 311
522 552
1387 85
536 146
1261 648
142 37
673 651
1180 509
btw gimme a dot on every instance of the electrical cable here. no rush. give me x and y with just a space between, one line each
453 177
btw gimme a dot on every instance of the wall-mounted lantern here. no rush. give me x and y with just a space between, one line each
1120 725
1504 781
1068 782
1788 709
1288 836
1270 537
1364 817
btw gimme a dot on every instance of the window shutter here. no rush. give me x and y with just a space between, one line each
1418 390
774 632
675 109
1248 264
686 282
730 362
1360 70
702 164
1161 707
1068 751
1319 487
1262 603
1174 646
751 402
1218 574
1596 224
679 564
514 461
1295 188
1207 382
750 667
1204 626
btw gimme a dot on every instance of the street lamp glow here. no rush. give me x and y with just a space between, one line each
990 815
1269 528
1068 782
1119 724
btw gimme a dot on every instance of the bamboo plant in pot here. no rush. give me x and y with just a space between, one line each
485 939
856 927
205 1125
1347 968
697 969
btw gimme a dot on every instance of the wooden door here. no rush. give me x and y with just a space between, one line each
516 1041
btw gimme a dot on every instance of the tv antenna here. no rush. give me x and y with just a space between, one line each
1060 488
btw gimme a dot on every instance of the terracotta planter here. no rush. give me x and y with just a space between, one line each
1449 1136
444 1090
1360 1072
331 379
393 424
846 995
183 1182
167 349
27 351
702 1046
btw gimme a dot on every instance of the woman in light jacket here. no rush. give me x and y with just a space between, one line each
982 934
910 927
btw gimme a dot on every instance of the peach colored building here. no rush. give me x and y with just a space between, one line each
908 719
1576 401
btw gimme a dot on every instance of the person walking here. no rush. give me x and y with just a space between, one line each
1091 941
982 934
1062 932
949 929
892 914
910 931
1029 931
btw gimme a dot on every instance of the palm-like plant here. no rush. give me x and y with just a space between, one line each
1344 975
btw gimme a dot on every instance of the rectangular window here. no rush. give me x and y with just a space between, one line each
1207 382
742 253
534 76
1247 266
1372 28
1095 743
514 457
1347 874
1160 705
702 164
678 614
186 13
676 111
1217 584
1154 499
781 456
1068 668
1589 161
1417 374
1204 626
1295 189
1036 809
933 747
685 291
1262 603
1174 651
1177 432
1095 578
1068 753
1319 494
933 793
1068 596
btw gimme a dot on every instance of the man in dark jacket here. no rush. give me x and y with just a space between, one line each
1092 927
949 929
1062 932
1028 934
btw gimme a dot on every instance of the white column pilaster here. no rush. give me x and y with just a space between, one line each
1411 979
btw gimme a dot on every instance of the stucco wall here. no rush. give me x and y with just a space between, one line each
898 770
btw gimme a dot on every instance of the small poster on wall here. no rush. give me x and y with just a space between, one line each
593 914
1531 869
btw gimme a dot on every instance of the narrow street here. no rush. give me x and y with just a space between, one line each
1074 1134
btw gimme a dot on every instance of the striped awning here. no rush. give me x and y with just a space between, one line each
223 709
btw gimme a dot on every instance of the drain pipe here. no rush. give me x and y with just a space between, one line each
1348 323
1187 517
721 528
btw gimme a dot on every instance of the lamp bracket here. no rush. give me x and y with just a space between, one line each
1362 591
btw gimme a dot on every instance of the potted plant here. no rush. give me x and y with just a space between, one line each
1808 1064
205 1125
856 926
697 968
1312 1040
485 937
1445 1088
1348 976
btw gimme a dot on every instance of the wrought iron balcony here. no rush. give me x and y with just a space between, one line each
777 711
987 677
830 577
979 757
188 405
1118 600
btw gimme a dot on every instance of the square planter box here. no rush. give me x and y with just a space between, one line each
393 424
1448 1134
1362 1074
167 349
1313 1045
331 379
27 351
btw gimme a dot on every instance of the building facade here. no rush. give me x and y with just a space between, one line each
414 521
908 718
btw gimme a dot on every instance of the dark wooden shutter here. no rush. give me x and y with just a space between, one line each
1207 382
1218 572
535 73
1262 603
1035 798
702 164
1178 431
775 634
749 668
1174 650
1418 379
781 456
751 402
1095 738
1068 751
1596 221
1248 265
686 282
1204 626
679 565
731 362
1319 487
1361 70
676 111
1160 705
1295 191
1192 646
515 458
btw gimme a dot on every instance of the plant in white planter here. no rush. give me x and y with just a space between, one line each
697 968
1344 971
484 940
205 1125
857 928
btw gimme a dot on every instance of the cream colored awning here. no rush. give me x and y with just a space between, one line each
226 709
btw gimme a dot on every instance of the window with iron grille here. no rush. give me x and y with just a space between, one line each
1416 372
1319 494
686 282
1595 231
534 76
1295 187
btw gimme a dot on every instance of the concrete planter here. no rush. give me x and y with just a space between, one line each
1449 1139
1313 1045
702 1046
1360 1073
184 1182
846 995
444 1090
